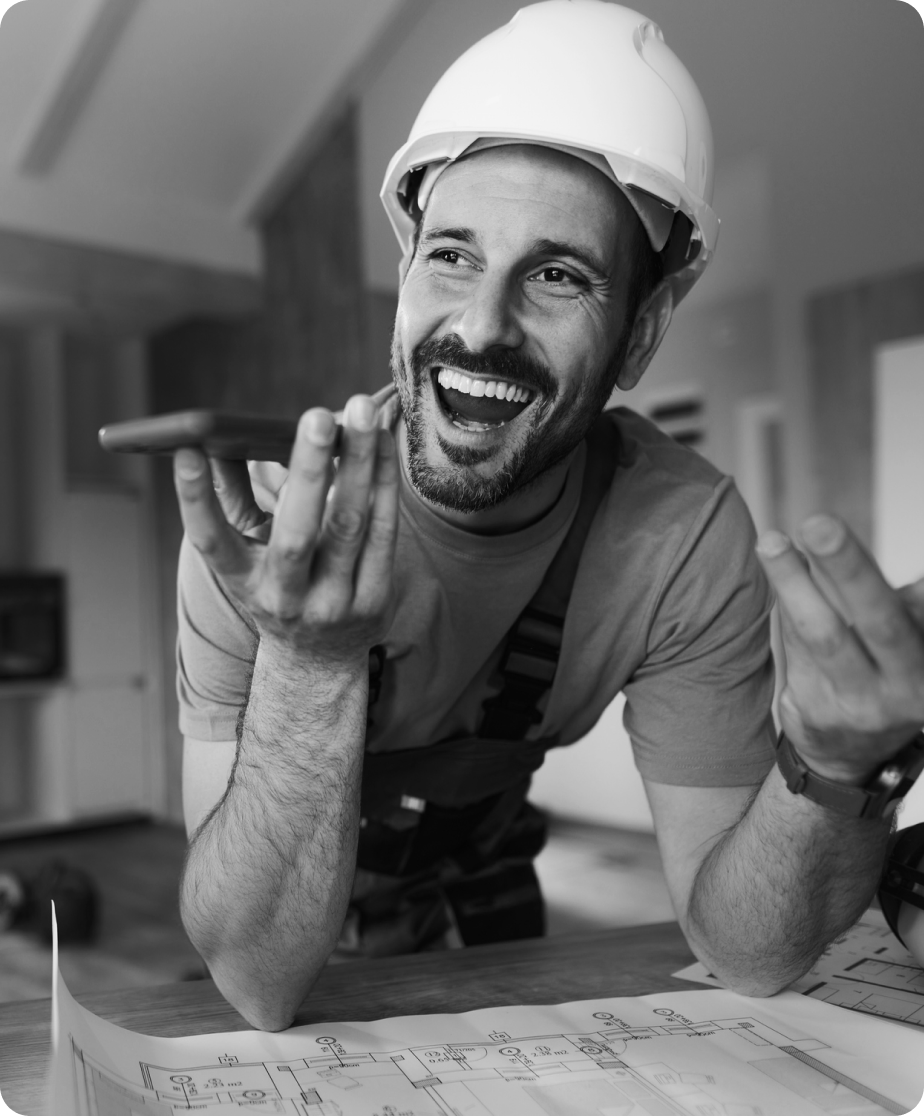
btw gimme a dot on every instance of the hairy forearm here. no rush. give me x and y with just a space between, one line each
779 886
269 872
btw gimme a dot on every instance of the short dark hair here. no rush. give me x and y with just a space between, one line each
647 272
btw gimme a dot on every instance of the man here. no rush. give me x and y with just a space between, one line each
358 637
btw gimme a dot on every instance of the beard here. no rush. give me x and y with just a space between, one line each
554 426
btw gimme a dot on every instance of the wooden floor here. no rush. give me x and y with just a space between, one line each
592 877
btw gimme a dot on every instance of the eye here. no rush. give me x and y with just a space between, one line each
556 280
449 258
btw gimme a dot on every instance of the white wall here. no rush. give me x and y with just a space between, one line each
595 780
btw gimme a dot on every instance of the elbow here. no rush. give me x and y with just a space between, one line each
264 1017
751 984
745 972
266 1006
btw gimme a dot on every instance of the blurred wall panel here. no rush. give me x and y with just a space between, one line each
310 345
12 538
15 708
846 325
91 522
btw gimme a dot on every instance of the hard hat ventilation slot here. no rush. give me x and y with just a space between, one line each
409 188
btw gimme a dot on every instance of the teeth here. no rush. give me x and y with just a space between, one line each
493 389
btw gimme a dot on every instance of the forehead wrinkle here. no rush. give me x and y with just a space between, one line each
455 232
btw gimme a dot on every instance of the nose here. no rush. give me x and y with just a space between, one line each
489 318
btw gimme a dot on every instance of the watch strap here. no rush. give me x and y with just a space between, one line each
875 800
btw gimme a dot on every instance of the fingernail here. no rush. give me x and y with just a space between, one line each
823 534
318 427
188 464
772 544
360 412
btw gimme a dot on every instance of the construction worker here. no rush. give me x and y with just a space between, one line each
374 657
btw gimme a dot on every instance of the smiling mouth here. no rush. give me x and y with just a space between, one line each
476 404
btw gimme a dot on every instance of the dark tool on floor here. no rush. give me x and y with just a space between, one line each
12 899
25 903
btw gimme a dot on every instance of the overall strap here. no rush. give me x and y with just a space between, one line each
421 804
533 645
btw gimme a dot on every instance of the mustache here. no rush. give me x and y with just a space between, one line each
497 364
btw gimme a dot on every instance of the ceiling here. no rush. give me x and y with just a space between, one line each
156 130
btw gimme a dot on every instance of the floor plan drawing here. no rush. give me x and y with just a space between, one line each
682 1054
866 969
697 1053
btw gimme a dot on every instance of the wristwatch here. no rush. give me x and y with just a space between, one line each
877 799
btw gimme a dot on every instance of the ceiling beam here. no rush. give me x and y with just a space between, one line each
96 215
38 274
71 83
309 129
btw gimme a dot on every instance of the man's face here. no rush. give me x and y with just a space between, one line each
511 322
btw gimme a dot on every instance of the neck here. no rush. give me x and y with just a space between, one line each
520 510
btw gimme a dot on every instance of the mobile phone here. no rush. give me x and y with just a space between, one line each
218 433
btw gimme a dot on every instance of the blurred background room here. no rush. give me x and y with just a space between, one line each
189 217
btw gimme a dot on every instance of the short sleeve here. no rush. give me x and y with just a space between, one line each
216 645
698 707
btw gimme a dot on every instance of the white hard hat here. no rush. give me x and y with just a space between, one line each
591 78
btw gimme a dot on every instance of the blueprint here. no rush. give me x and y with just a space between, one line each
867 969
702 1053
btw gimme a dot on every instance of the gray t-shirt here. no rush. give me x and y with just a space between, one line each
670 605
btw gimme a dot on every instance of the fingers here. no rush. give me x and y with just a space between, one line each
203 520
231 481
912 597
374 574
348 510
816 635
320 530
876 610
300 511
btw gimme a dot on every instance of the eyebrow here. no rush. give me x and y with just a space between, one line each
541 247
441 232
563 248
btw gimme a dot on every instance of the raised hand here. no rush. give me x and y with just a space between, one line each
854 691
319 582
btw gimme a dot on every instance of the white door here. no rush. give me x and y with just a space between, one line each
106 651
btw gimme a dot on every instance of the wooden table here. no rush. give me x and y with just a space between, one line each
627 962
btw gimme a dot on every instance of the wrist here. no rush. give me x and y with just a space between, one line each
847 774
845 790
298 661
299 700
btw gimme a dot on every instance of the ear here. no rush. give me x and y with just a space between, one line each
651 324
